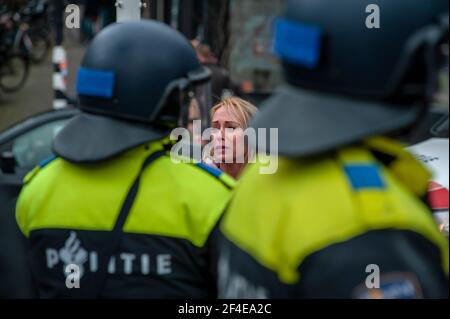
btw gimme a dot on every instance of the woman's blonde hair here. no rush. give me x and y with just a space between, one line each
241 109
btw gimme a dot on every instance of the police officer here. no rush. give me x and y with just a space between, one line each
112 216
342 217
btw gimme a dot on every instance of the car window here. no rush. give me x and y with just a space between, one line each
35 146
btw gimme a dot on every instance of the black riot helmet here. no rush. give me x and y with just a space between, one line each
354 68
136 82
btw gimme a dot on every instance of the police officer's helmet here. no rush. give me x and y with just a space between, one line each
136 82
354 68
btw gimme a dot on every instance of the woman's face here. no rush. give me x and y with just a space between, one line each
228 140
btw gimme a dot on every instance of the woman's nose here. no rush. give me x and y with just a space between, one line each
219 134
216 135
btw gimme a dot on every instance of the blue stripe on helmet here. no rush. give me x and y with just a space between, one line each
297 43
95 83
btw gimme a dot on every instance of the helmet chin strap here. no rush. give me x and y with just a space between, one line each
185 98
434 59
433 39
427 41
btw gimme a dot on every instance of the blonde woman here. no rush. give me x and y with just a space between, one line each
232 116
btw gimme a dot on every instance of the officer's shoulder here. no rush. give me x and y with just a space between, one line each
192 172
38 169
218 174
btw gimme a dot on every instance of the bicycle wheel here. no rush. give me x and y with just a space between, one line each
40 48
13 73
